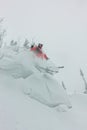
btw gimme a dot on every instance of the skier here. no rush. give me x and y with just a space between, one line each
38 51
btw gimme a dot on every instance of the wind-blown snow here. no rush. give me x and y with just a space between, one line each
22 63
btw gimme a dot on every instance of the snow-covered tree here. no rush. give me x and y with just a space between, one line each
26 44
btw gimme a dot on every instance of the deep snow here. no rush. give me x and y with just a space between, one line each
41 84
20 112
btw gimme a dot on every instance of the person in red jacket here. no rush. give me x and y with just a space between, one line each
38 51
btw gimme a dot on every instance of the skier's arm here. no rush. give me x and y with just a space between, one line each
46 57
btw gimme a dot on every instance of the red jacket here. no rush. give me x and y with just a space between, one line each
39 52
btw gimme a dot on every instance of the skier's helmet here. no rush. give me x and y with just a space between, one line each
40 45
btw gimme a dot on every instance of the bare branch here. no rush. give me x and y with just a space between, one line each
85 82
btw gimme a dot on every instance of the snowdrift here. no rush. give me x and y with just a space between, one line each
22 63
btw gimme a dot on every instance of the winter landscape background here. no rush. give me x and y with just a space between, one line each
62 27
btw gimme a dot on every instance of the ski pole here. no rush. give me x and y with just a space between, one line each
61 67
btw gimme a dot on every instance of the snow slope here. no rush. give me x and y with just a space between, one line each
19 112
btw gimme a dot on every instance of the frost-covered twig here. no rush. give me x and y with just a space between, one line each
85 82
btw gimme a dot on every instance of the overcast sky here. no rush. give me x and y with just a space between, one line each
61 25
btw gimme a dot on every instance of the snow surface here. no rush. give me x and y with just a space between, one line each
19 112
20 80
